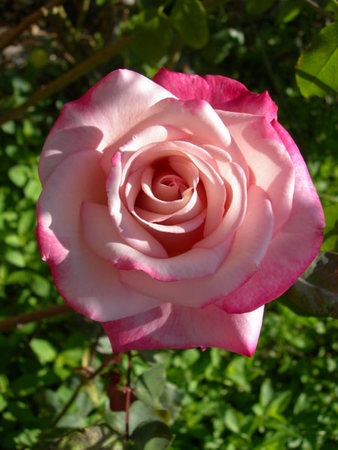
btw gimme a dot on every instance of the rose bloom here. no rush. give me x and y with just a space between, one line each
172 210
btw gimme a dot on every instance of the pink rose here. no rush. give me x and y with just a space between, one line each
172 210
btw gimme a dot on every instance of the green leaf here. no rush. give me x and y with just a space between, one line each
317 294
38 284
289 10
3 403
190 20
33 189
104 346
19 174
255 8
231 420
15 257
43 349
278 404
151 39
236 372
331 229
94 438
266 393
150 385
317 67
26 221
152 435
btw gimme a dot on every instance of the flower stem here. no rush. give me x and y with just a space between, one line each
128 397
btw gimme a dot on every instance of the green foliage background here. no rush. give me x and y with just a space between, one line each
58 374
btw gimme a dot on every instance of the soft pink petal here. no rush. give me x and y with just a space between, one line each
172 326
221 92
249 247
236 206
140 186
64 142
138 137
129 230
269 162
141 200
212 182
294 247
88 283
104 239
111 107
192 116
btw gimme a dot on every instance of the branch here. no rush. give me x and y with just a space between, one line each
67 78
17 321
10 36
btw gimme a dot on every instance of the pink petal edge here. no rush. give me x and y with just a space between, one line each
173 326
221 92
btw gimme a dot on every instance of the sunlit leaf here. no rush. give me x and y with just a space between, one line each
317 67
43 349
231 420
266 393
19 175
331 229
289 10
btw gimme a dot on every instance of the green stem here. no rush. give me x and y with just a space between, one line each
128 398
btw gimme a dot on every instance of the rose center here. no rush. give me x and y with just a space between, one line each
169 187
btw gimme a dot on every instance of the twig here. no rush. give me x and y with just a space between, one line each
128 397
10 36
67 78
17 321
84 381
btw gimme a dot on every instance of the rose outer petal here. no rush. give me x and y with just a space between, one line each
221 92
267 158
100 117
294 247
88 283
173 326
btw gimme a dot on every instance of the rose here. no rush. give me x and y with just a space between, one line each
172 210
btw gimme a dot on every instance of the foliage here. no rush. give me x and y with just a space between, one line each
60 386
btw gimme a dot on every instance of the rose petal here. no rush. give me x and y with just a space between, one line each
221 92
244 258
88 283
104 239
212 182
270 164
172 326
236 206
139 137
105 107
129 229
294 247
139 187
196 117
64 142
